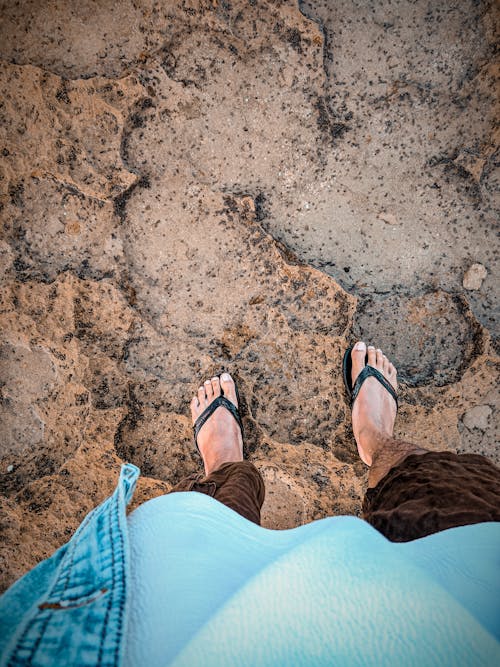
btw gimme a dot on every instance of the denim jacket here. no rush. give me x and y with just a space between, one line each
72 608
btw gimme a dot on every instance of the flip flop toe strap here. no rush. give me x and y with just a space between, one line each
370 371
208 412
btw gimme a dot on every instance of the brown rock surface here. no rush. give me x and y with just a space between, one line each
187 188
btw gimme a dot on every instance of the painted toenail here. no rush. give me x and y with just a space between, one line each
226 377
360 346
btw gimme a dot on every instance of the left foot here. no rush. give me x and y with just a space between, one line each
219 439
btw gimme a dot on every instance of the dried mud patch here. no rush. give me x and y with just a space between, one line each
432 338
72 138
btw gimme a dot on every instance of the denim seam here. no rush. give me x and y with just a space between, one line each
64 568
97 513
123 597
118 568
27 642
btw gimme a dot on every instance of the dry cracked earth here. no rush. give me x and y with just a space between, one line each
188 187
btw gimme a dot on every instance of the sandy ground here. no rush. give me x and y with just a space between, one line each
188 187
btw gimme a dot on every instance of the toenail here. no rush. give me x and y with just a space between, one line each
360 346
226 377
370 347
207 381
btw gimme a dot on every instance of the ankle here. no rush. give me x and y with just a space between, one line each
390 456
371 440
215 458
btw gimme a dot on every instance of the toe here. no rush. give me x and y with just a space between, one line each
227 385
379 359
195 408
216 386
358 357
391 374
202 397
385 365
208 390
372 356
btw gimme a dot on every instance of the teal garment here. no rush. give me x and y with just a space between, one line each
200 585
211 588
71 609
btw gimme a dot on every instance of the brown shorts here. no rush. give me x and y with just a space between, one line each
423 494
238 485
430 492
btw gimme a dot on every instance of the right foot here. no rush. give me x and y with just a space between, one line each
374 410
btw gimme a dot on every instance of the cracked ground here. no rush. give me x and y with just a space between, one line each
194 187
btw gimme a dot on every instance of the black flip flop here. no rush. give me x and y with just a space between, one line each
208 412
368 371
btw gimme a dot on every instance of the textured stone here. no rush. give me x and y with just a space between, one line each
193 187
474 276
477 417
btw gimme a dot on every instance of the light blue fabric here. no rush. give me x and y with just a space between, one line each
466 563
207 587
210 588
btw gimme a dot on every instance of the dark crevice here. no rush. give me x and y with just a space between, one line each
129 422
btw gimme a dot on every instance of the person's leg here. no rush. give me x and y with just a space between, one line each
374 414
228 478
412 491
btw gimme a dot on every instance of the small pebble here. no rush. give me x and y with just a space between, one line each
10 468
474 276
389 218
477 417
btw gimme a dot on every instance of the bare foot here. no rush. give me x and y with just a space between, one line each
219 439
374 410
